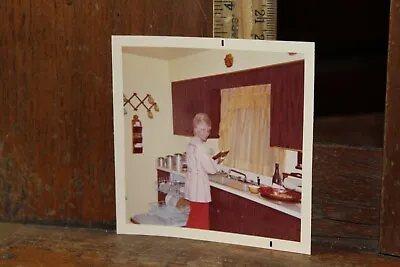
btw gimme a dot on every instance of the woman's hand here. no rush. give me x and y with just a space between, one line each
220 160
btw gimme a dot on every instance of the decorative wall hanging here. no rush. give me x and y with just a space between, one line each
228 60
150 100
137 136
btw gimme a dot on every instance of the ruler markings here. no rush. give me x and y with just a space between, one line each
245 19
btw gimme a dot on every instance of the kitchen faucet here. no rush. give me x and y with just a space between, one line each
238 172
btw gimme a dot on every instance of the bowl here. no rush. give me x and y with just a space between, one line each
254 189
280 194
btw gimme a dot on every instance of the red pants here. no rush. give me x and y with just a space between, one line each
198 216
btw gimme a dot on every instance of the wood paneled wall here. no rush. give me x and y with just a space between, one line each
56 123
390 230
346 196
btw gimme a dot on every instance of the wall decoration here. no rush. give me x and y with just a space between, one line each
150 100
137 137
228 60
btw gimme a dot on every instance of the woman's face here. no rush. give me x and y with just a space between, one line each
203 131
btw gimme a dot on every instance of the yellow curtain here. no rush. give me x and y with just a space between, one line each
245 130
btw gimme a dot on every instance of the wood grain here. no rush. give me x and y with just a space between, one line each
346 195
56 127
390 230
37 246
56 136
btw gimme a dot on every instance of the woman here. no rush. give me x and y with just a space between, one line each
199 166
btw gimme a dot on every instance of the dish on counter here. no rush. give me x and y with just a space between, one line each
255 189
293 183
280 194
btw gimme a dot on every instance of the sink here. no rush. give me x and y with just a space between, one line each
225 180
218 178
237 185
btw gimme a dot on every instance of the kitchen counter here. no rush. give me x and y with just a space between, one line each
219 181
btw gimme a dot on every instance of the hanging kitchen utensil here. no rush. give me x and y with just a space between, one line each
156 107
137 138
150 100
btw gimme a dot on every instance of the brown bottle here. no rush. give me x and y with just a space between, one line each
277 179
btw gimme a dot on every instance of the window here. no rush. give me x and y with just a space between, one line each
245 130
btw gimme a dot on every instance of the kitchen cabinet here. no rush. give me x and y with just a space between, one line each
187 100
234 214
190 97
287 100
287 106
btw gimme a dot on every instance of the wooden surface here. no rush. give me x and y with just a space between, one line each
390 230
36 246
346 196
56 136
56 126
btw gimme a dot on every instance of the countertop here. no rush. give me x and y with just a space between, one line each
293 209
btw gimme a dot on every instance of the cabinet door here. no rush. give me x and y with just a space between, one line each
187 100
268 222
287 106
224 213
212 106
178 91
234 214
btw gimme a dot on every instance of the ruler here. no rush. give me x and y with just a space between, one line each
245 19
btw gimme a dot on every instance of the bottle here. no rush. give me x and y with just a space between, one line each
277 179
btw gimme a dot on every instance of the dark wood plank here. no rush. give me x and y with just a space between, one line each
346 196
390 228
55 246
56 126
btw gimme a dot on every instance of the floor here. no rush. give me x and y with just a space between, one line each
33 245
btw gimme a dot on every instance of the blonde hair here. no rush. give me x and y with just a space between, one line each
201 118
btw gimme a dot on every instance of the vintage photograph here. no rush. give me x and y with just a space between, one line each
213 140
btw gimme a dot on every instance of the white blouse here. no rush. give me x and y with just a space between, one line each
199 166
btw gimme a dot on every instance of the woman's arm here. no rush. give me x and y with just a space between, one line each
206 161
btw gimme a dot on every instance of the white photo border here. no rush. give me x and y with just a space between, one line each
122 227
